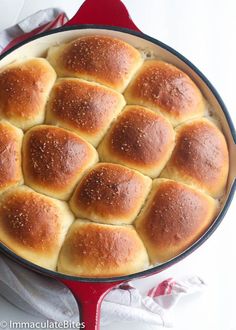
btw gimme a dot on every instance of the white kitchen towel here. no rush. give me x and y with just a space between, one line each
39 22
49 299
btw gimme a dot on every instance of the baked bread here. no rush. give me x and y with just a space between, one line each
200 157
103 59
10 156
140 139
54 159
84 145
84 107
33 226
174 217
166 89
97 250
110 194
24 89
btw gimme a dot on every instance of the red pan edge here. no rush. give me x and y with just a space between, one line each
89 292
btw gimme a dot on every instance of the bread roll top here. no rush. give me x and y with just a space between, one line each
54 159
33 225
200 157
166 89
24 89
174 217
111 194
97 250
84 107
140 139
106 60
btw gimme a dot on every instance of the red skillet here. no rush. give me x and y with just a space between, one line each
113 18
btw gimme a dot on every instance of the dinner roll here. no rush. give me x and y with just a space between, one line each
200 157
96 250
111 194
24 89
10 155
86 108
54 159
92 125
174 217
140 139
103 59
33 225
166 89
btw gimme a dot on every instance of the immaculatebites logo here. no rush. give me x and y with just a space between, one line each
48 324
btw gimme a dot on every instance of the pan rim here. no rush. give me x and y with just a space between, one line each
194 246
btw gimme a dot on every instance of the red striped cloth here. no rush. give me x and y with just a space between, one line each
164 288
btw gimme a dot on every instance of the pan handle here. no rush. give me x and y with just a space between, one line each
103 12
89 296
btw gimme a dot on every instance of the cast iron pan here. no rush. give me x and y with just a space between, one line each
111 17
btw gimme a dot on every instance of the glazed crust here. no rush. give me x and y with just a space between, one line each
168 90
110 194
24 89
54 159
140 139
109 61
33 225
86 108
200 157
174 217
98 250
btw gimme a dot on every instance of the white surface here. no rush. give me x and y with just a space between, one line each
204 31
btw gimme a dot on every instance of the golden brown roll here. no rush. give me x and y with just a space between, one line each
96 250
174 217
10 155
110 194
200 157
140 139
33 225
86 108
24 89
106 60
166 89
54 159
